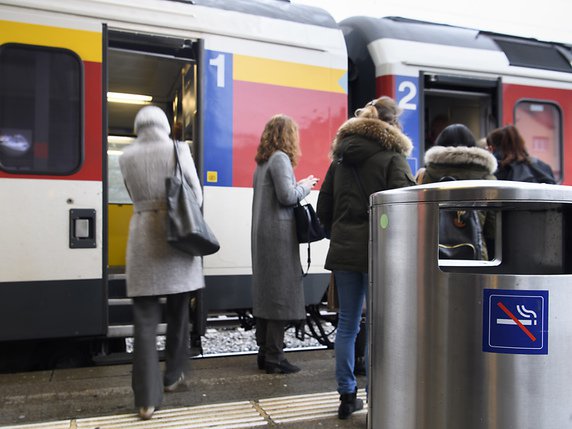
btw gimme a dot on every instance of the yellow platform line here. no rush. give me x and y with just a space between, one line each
232 415
62 424
217 416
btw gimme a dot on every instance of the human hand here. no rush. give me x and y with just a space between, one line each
309 181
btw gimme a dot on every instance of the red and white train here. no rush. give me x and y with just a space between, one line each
73 75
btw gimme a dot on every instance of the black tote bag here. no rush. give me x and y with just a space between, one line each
186 226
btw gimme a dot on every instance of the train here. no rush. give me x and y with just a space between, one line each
74 74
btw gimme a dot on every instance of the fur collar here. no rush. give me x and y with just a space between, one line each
454 155
388 136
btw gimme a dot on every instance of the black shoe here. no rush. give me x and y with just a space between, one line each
284 367
350 403
261 361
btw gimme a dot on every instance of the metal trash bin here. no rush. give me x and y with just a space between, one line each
471 344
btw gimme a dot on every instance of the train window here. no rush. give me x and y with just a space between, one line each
540 124
40 110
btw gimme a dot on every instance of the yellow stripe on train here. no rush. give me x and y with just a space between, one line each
87 44
283 73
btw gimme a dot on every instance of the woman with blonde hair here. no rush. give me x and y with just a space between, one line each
368 155
277 290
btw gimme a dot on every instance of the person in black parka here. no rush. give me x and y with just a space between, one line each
368 155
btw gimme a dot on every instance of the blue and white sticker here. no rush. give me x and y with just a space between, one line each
515 321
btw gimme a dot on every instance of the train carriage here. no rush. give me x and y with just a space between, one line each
72 77
74 74
444 74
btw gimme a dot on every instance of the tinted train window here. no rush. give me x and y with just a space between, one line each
40 110
540 124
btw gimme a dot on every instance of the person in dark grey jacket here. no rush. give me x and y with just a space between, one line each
508 146
277 289
368 155
155 268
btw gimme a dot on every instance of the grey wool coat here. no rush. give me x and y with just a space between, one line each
277 288
154 267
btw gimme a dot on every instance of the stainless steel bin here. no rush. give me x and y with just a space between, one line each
471 344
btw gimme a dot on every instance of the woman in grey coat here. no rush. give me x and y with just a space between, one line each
277 290
155 268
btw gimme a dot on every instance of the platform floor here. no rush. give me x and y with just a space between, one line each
217 393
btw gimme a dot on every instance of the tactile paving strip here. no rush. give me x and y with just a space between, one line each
217 416
305 407
233 415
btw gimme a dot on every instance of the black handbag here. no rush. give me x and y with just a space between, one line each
308 227
460 232
460 235
186 226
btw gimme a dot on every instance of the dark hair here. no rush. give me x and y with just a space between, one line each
456 135
383 108
508 144
280 133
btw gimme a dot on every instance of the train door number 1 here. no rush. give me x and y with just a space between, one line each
218 63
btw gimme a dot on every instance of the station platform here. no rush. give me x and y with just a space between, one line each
229 392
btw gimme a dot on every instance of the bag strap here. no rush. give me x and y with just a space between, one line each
309 259
177 162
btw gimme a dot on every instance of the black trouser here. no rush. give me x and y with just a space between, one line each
270 339
146 376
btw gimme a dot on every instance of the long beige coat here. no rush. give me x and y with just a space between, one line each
153 266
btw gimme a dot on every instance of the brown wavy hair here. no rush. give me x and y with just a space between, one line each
280 133
509 143
383 108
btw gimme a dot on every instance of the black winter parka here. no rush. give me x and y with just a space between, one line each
374 153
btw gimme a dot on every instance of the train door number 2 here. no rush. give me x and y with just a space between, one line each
407 97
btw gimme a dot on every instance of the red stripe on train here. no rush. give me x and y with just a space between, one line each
318 114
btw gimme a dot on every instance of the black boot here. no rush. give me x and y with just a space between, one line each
350 403
261 360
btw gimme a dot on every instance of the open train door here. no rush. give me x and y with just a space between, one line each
51 214
143 69
449 99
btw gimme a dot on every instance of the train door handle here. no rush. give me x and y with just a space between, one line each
82 228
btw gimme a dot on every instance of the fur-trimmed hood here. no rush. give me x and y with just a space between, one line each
359 138
461 155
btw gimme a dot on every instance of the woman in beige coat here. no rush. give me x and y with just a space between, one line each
155 268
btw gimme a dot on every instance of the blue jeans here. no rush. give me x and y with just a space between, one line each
352 291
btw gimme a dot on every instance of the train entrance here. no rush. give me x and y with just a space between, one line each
454 99
143 70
